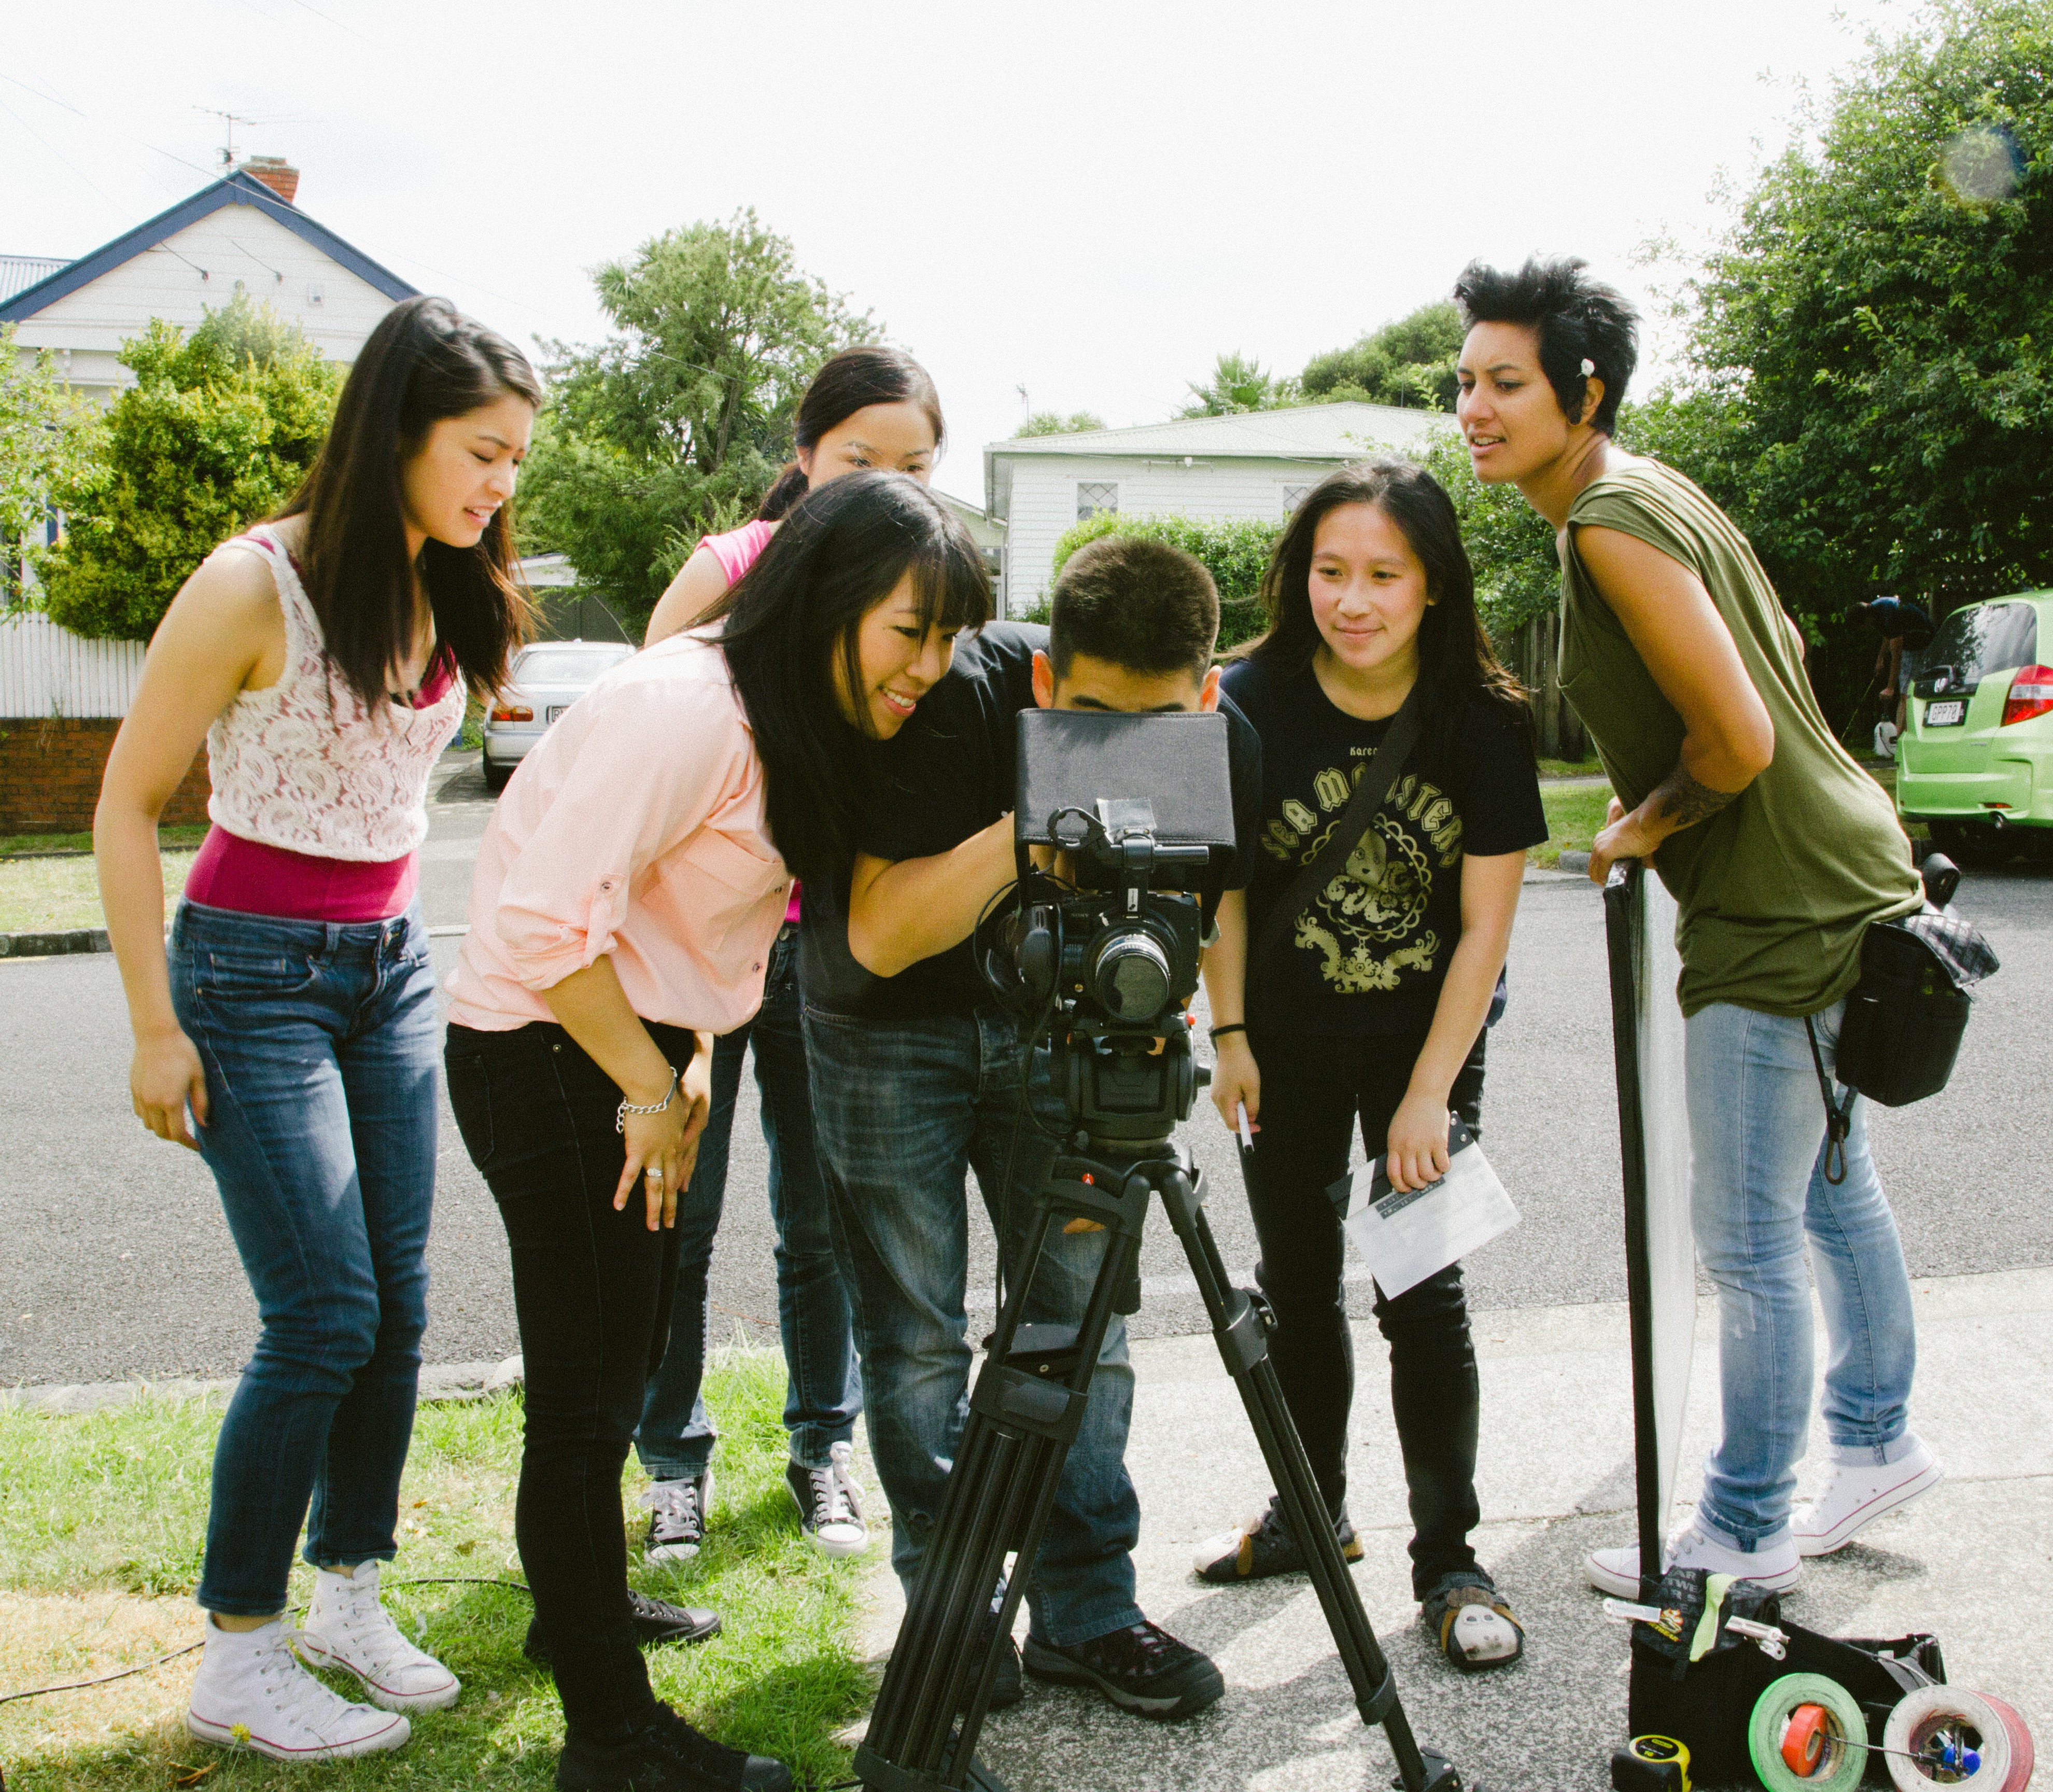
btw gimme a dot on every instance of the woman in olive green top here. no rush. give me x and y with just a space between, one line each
1780 852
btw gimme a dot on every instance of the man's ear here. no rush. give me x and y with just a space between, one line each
1044 680
1209 696
1593 393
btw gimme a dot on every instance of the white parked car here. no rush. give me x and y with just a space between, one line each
547 678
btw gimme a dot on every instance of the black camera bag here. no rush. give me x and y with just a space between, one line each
1707 1704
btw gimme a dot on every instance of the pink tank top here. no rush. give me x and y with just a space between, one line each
737 551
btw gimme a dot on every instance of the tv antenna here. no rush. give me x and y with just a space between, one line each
229 120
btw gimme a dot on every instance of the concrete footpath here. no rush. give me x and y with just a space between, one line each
1969 1561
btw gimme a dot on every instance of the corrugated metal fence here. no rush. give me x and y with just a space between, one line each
46 670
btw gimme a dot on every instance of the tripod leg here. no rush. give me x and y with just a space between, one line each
1239 1326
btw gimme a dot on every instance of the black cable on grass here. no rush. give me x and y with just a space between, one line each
74 1686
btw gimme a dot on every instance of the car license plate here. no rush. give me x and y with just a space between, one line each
555 709
1937 715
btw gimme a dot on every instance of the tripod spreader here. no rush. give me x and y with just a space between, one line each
1024 1413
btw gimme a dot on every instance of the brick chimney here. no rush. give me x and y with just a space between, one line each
276 173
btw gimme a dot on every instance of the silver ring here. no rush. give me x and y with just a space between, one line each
655 1170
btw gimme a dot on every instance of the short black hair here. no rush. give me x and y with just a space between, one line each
1134 603
1577 319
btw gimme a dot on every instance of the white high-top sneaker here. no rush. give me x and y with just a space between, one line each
250 1693
346 1627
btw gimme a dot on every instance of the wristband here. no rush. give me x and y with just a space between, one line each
1218 1033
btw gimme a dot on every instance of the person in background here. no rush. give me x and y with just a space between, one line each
1779 851
627 896
868 408
1371 1009
1905 632
324 655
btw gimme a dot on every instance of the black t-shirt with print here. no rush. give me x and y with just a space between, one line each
1370 951
951 770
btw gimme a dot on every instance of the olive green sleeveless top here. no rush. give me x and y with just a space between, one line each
1776 890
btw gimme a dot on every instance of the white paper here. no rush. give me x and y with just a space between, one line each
1406 1237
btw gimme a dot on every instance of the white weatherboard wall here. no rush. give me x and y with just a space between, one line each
46 670
1044 503
192 272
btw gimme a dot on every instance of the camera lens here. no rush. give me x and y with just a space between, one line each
1132 977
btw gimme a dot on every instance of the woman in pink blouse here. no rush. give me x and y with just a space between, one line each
626 897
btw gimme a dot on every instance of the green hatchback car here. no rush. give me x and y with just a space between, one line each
1976 759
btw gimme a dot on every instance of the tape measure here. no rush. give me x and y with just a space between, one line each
1650 1764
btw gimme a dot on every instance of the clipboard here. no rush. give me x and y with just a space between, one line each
1405 1236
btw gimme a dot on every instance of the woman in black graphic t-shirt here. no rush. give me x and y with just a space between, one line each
1371 1006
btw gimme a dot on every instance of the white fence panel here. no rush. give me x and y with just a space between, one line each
46 670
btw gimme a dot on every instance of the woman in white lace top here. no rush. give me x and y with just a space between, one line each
289 1033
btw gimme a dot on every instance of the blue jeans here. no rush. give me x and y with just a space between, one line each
1757 1188
319 1040
823 1394
904 1111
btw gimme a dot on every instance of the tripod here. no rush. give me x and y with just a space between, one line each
1003 1486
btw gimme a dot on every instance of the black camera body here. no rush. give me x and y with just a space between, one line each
1101 951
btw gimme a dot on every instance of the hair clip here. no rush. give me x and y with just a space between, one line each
1589 367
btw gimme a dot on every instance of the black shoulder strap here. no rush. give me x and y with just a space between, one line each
1379 777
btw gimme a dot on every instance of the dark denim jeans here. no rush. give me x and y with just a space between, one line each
592 1289
1314 1089
823 1394
904 1111
319 1043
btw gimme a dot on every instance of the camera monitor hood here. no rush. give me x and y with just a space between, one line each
1176 761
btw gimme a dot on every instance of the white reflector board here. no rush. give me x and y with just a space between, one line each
1653 1141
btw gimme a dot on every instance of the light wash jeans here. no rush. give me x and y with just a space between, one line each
903 1110
1758 1187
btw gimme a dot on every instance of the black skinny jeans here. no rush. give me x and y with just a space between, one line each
1313 1086
592 1291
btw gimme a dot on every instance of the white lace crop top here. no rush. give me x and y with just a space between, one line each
303 765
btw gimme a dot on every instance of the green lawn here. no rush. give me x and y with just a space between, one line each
101 1521
49 895
1575 814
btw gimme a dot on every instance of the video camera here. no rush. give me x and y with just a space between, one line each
1099 951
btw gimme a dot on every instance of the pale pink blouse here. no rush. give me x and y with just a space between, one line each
635 826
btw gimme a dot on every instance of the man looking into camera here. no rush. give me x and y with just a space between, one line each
919 1076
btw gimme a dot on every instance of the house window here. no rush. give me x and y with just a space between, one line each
1292 497
1091 499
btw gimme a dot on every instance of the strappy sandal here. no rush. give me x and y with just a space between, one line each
1474 1626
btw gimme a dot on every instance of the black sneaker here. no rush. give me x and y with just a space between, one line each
666 1755
1007 1687
656 1620
1263 1546
677 1511
1142 1668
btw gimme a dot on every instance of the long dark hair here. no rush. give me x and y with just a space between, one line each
424 362
1457 663
851 381
789 624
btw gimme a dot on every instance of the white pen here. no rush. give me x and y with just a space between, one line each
1247 1138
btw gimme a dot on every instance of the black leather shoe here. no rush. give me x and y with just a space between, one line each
656 1620
1142 1669
666 1755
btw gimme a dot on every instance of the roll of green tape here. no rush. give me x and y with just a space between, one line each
1841 1757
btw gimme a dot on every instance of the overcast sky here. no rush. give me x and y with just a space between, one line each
1088 201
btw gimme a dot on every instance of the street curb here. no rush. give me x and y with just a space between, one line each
439 1383
53 945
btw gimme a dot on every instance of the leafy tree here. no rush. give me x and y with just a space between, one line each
42 427
1877 324
1235 550
1053 423
675 426
1239 383
1408 362
1510 544
218 429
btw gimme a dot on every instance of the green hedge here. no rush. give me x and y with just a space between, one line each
1234 551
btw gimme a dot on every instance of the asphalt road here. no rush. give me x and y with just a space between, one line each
115 1261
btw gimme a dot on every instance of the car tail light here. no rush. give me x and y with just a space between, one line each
2031 694
519 712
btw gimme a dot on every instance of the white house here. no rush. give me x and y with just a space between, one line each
1257 464
242 233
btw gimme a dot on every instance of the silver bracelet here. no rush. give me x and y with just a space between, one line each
627 1107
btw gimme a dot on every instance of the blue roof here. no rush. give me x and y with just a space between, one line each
237 189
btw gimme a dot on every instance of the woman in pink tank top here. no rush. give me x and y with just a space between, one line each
872 407
324 656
